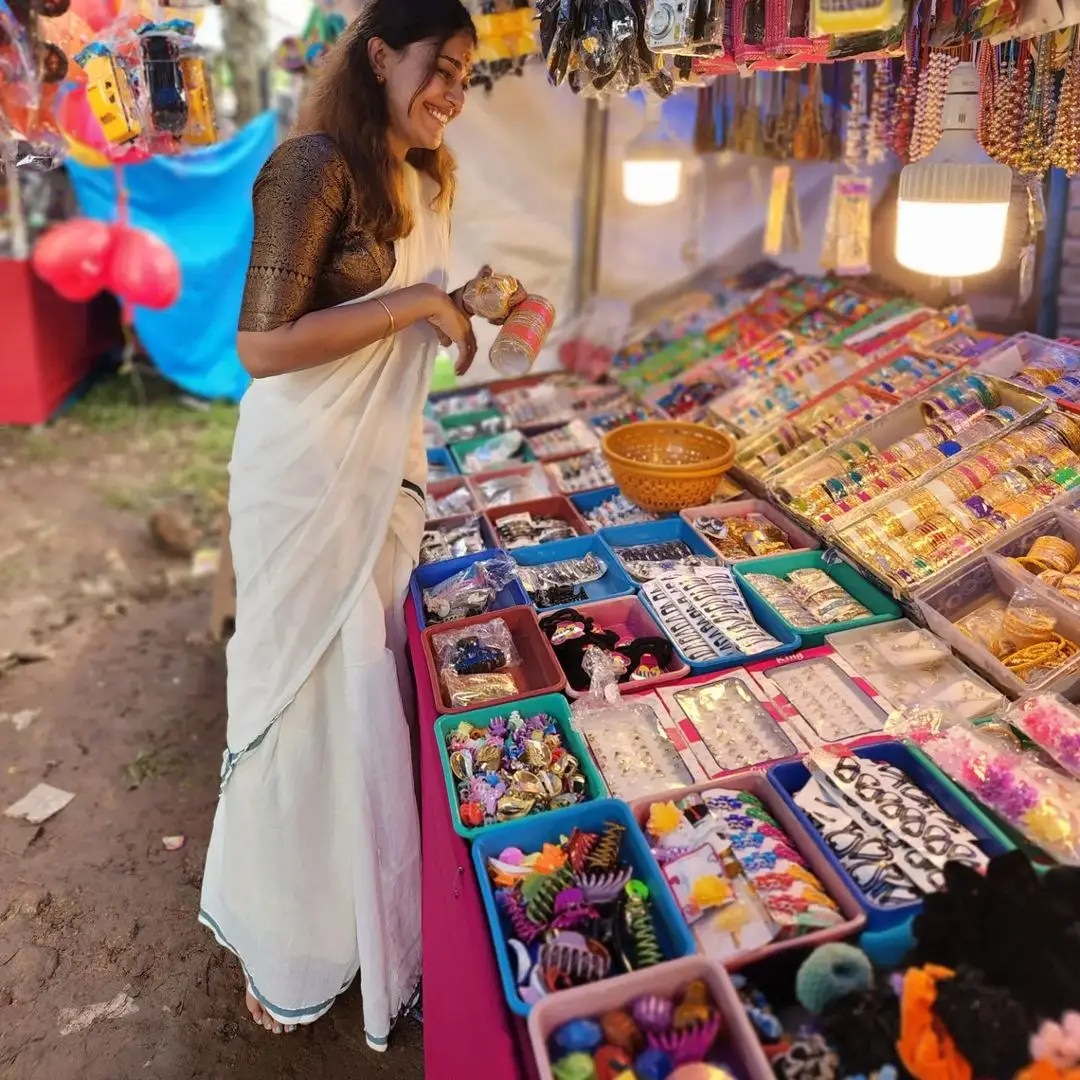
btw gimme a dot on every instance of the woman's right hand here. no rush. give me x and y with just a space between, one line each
453 328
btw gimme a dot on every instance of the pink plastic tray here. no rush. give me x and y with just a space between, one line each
441 488
538 673
758 784
555 506
541 483
740 1050
628 616
799 538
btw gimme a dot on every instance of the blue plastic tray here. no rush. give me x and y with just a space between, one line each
530 834
424 577
791 777
589 500
439 455
614 583
656 532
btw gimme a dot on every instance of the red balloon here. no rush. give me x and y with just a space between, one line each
143 270
73 257
96 13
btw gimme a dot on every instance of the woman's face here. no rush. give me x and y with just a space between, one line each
418 120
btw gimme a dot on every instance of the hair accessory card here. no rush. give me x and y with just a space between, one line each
820 695
729 724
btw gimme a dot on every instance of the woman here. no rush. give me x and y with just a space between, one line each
313 868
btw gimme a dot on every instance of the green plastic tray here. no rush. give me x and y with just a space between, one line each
556 706
883 608
451 424
460 450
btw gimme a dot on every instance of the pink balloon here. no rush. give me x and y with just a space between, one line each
73 257
143 270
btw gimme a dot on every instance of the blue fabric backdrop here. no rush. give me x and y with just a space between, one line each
200 205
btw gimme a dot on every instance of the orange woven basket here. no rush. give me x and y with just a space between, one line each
667 465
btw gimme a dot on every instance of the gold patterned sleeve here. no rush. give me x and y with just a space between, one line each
300 198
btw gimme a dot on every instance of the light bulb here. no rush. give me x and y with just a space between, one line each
954 204
653 163
652 183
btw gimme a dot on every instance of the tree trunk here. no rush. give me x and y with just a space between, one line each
244 30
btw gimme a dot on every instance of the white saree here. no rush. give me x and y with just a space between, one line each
313 869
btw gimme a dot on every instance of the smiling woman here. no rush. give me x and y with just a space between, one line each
312 874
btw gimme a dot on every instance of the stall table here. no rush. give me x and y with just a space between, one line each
468 1030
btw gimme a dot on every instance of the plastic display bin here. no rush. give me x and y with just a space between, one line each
656 532
629 617
538 672
557 707
448 523
585 501
799 538
439 457
425 577
615 581
555 506
439 489
881 607
790 777
802 840
530 834
459 451
740 1051
764 616
539 482
452 425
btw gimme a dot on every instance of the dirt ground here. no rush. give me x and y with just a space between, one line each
111 689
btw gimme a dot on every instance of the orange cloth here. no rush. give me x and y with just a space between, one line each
1045 1070
925 1047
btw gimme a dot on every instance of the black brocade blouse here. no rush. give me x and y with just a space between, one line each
307 253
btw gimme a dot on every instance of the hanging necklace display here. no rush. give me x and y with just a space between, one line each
783 225
810 142
877 135
1065 142
933 82
856 132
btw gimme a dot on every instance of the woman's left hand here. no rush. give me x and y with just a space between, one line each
486 271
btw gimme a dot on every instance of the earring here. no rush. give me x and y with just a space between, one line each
380 79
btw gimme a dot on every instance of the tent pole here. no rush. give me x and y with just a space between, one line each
591 213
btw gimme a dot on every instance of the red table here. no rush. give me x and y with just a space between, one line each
468 1030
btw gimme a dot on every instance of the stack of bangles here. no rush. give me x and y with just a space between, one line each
961 508
1054 560
962 413
1044 649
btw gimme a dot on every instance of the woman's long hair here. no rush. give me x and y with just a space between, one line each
348 104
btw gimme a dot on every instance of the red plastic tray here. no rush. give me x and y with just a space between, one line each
555 506
538 673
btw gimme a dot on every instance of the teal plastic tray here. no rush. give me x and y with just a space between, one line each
459 451
557 707
882 607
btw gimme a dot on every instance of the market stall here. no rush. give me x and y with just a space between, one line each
690 773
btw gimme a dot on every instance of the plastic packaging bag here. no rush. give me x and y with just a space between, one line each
469 592
494 452
451 541
1053 724
558 582
626 737
474 662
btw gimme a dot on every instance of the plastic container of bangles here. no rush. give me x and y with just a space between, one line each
832 487
986 581
979 496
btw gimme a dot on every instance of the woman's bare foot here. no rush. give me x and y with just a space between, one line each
263 1018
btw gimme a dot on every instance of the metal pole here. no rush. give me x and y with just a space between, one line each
591 212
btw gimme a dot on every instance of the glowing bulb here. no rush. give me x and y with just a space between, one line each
953 205
652 183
